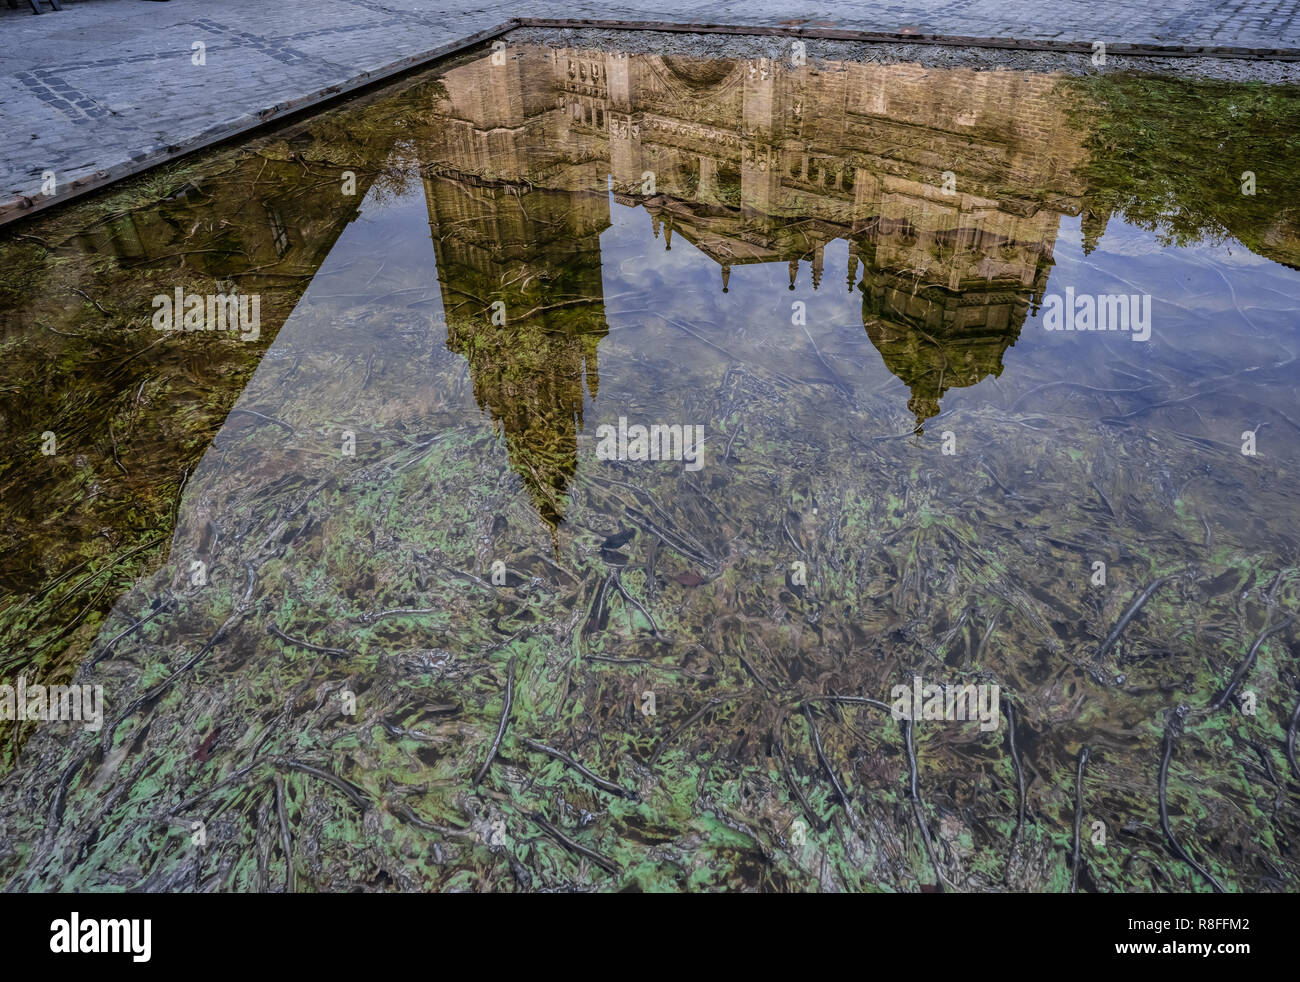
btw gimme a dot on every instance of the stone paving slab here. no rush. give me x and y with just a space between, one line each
106 88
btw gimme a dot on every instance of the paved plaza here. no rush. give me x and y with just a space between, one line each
106 88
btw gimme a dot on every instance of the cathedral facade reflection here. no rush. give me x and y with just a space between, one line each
947 185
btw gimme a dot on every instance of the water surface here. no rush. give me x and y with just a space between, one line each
307 568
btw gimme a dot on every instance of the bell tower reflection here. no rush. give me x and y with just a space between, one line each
521 288
516 233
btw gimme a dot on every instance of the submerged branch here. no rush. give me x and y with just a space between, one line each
505 719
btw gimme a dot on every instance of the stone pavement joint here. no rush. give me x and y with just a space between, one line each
108 88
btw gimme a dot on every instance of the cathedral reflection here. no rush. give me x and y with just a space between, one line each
948 187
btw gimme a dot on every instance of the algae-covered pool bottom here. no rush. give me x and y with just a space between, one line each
387 588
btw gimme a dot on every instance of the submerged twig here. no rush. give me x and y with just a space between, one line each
270 419
673 540
369 617
826 765
851 701
1267 762
1290 740
92 300
32 238
835 376
505 719
727 454
272 629
606 864
286 841
1172 727
988 633
1078 818
350 790
238 775
156 690
1138 602
1020 772
716 701
914 793
597 616
618 582
1073 384
1246 664
794 788
54 818
107 649
598 781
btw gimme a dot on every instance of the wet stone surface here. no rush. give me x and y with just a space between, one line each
100 85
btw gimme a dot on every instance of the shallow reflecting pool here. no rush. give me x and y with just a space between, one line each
610 471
